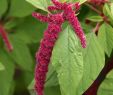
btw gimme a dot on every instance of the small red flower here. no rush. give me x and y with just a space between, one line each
45 51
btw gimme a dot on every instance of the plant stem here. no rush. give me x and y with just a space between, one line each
93 8
92 90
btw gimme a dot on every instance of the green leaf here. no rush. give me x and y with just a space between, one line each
55 90
95 18
111 8
3 7
51 79
6 76
20 8
41 4
68 62
106 88
94 60
105 37
107 11
30 30
1 66
21 53
31 85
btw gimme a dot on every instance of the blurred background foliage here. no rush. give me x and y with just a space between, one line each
25 33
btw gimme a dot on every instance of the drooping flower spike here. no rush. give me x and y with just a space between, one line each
4 36
45 51
40 17
69 14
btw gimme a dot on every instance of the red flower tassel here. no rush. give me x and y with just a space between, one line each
5 38
69 14
45 51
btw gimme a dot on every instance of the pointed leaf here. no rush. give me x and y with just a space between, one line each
105 37
94 60
67 60
95 18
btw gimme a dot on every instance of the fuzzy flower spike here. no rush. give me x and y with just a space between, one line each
45 51
4 36
69 14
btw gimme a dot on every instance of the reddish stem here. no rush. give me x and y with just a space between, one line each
98 12
95 30
94 87
5 38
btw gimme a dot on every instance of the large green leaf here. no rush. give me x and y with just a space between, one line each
107 12
94 60
67 60
6 76
20 8
21 53
106 87
3 7
105 37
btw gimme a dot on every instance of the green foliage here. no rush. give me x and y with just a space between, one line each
105 38
3 7
93 62
1 67
107 10
72 69
68 61
19 8
95 18
21 54
6 76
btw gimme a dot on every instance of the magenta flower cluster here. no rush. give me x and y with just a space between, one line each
45 51
55 22
5 38
69 14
